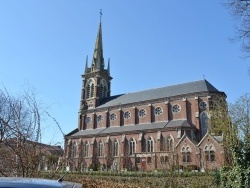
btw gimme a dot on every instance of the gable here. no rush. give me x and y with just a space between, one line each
186 141
209 138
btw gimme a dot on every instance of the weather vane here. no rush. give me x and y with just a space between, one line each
100 14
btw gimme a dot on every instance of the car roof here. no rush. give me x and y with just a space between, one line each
16 182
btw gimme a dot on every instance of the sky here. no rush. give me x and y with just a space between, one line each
151 44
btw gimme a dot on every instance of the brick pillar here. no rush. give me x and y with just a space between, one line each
197 113
185 104
91 149
158 141
123 152
139 143
167 110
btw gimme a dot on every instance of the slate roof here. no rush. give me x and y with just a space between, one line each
158 93
139 127
179 123
88 132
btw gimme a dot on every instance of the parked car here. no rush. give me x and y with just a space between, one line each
16 182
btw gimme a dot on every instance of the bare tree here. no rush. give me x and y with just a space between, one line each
240 115
21 152
240 10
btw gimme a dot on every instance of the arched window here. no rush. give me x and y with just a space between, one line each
115 148
209 153
92 90
100 148
90 86
162 144
131 146
74 149
86 149
204 123
150 144
103 89
169 143
88 91
186 154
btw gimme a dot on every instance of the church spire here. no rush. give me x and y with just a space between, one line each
96 82
98 60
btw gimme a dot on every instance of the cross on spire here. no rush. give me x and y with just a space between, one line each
100 14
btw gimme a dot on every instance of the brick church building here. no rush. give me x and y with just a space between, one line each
162 128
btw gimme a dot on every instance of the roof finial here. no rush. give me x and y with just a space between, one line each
100 14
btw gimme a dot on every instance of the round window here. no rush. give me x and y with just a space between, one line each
203 105
158 111
99 118
127 115
176 108
113 117
142 113
88 120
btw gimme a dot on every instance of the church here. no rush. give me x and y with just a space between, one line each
157 129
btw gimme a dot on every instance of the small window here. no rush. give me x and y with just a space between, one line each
150 145
113 117
169 144
115 148
99 118
74 150
204 123
100 149
86 149
186 154
149 160
137 160
127 115
164 159
131 146
176 108
88 120
158 111
203 105
142 113
209 153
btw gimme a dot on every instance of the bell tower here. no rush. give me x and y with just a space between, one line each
96 79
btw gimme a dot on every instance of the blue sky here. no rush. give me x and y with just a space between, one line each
150 44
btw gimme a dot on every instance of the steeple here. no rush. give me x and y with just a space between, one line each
96 80
98 60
